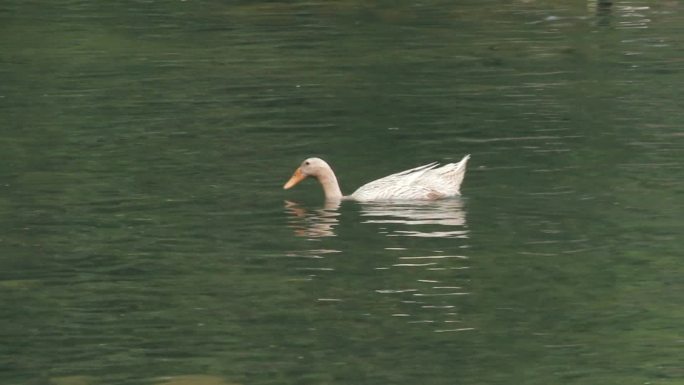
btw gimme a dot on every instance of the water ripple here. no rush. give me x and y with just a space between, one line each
420 282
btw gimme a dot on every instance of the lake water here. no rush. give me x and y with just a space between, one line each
146 239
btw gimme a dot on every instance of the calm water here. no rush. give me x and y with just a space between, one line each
145 237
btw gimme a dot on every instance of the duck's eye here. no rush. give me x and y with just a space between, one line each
306 163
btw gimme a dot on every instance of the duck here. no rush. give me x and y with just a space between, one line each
431 181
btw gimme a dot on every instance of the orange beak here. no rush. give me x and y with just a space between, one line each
297 177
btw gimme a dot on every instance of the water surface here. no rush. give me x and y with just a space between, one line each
146 238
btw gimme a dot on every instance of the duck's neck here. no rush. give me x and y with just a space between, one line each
330 186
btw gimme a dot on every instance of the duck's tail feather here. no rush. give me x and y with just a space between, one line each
453 173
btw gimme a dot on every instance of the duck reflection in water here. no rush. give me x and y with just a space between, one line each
420 280
313 223
321 222
447 212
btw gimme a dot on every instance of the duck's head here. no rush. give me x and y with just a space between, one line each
315 167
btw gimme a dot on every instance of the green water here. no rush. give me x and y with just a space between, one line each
146 239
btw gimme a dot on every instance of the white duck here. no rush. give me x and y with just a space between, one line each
426 182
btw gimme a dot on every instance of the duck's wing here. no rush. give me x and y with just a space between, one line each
395 186
425 182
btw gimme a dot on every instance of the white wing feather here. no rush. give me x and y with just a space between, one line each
425 182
